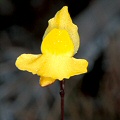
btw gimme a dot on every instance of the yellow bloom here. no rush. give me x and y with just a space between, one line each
60 43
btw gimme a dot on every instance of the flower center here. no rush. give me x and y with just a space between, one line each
58 42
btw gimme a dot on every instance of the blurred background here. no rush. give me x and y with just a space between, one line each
92 96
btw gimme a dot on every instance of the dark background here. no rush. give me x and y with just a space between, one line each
92 96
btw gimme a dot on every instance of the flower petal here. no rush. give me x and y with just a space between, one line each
58 42
44 81
60 67
62 20
77 66
28 62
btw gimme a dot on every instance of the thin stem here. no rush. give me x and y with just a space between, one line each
62 93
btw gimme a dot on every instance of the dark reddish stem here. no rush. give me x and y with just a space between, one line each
62 93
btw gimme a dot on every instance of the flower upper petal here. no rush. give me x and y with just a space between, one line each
62 20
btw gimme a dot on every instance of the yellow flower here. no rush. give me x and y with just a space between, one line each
60 43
